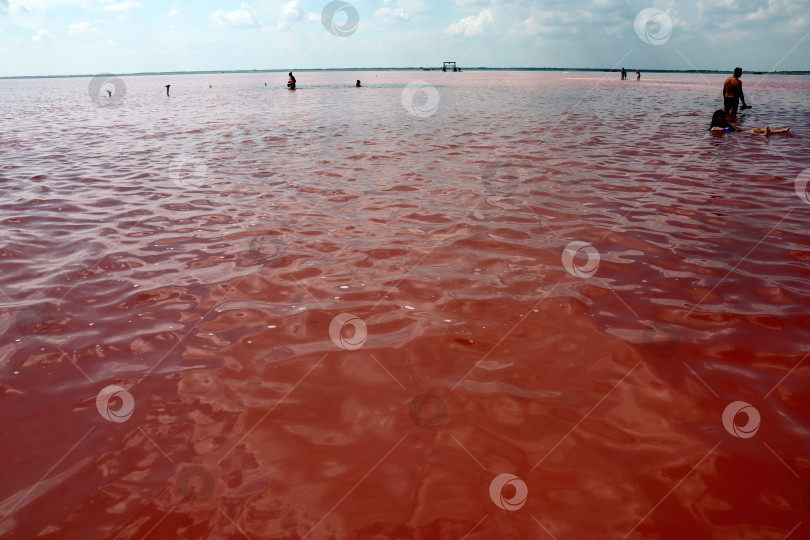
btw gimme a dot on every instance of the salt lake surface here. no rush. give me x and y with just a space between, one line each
246 312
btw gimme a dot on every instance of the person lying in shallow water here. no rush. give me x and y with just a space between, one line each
720 123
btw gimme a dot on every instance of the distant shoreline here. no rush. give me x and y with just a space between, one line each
221 72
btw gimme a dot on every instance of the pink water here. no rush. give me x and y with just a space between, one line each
194 250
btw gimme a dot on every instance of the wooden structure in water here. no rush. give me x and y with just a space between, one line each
449 64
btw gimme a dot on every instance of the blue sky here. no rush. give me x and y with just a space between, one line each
41 37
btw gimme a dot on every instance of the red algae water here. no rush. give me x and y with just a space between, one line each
473 305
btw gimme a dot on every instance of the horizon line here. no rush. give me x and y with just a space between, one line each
422 68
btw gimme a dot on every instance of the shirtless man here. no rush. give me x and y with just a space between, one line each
733 93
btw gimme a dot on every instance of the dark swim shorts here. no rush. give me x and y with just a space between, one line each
731 102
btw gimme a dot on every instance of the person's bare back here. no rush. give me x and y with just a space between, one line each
732 87
733 93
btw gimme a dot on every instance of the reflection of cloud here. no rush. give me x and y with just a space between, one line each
471 26
239 17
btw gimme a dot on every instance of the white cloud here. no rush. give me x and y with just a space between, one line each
82 28
43 37
124 9
391 15
174 13
471 26
239 17
292 10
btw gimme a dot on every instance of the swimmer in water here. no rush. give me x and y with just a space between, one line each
109 93
357 84
291 82
720 123
167 89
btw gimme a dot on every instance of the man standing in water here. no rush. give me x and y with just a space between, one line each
733 93
291 82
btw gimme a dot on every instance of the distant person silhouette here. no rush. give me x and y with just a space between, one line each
109 93
357 84
167 89
720 123
733 93
624 74
638 75
291 82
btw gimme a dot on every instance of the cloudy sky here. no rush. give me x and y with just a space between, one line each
41 37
